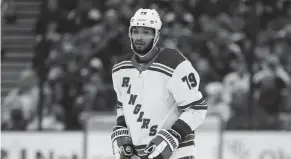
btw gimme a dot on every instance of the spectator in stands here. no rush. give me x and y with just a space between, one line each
271 87
93 85
43 49
218 101
8 11
50 14
89 15
20 105
16 122
236 85
113 41
222 53
52 119
83 17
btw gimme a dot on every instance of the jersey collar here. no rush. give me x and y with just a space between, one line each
140 66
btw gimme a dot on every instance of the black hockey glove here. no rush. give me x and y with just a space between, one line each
121 143
163 145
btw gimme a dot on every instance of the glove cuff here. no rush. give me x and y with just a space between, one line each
121 132
175 134
171 137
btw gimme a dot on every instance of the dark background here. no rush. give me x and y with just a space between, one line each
60 54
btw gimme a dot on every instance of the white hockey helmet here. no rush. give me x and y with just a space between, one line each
146 18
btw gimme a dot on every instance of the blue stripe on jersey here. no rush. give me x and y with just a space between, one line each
199 103
186 144
200 107
122 63
166 68
160 70
122 67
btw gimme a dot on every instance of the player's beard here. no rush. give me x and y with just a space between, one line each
144 51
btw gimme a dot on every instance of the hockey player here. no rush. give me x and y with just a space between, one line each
159 105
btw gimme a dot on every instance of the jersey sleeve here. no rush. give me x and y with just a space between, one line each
184 86
119 105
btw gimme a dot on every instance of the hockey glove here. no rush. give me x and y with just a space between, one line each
121 143
163 145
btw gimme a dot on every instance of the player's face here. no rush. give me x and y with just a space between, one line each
142 37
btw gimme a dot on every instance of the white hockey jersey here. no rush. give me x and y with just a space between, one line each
155 95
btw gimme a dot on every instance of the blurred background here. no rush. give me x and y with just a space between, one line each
57 56
57 99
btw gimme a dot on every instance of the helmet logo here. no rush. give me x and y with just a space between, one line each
143 13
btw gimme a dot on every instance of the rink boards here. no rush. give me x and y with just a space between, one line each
72 145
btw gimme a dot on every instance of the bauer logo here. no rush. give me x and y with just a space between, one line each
128 149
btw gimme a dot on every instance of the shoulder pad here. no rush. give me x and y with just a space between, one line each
125 57
123 62
170 57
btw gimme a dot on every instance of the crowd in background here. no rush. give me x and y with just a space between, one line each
240 48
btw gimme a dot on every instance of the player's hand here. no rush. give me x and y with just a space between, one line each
121 143
163 145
